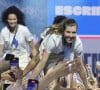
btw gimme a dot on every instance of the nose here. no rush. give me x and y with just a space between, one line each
71 35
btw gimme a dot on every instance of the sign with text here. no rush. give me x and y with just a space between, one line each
85 12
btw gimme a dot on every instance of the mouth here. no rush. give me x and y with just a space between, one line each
12 24
69 40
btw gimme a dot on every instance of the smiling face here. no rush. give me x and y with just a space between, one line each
70 34
12 20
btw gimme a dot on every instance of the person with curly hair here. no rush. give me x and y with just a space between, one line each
15 38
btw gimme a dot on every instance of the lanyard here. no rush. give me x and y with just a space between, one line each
14 35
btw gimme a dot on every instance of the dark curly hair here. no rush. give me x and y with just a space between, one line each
13 10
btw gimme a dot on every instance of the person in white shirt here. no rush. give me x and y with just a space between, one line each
57 20
61 44
15 38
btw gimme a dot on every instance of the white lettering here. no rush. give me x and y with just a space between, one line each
98 11
59 10
93 11
86 10
68 10
78 10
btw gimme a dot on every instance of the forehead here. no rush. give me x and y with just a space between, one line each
12 15
71 28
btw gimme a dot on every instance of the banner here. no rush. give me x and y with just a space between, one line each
85 12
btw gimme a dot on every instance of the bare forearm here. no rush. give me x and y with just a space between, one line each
46 80
37 70
34 51
33 48
28 68
59 70
34 61
40 66
32 64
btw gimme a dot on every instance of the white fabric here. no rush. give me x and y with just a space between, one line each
43 34
98 63
23 61
52 43
23 36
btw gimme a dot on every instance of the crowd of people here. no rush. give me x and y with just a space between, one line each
55 62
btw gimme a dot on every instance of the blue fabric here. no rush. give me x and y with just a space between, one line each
15 42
